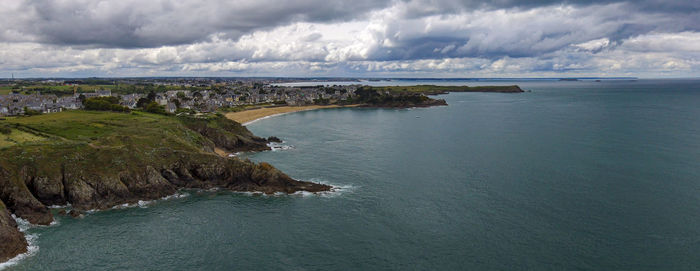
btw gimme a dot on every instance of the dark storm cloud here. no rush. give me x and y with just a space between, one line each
133 23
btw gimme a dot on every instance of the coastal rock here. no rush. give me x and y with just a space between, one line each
19 198
48 190
274 139
75 213
91 188
228 134
12 241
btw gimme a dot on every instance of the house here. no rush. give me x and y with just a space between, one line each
130 100
161 99
103 93
171 108
52 108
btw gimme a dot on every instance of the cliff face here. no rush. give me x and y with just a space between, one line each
12 241
29 190
134 159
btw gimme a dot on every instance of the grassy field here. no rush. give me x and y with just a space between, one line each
18 137
100 130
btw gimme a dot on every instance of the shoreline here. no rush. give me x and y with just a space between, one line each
249 116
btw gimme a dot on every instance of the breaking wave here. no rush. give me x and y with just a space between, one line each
32 247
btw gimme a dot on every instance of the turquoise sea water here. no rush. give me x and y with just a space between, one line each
571 176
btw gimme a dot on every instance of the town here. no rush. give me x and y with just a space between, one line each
26 97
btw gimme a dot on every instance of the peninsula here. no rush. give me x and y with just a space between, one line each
367 96
97 160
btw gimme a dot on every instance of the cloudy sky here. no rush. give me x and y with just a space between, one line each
359 38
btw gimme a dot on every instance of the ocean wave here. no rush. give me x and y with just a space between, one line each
146 203
336 189
32 247
274 146
265 117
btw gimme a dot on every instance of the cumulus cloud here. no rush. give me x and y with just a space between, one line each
340 38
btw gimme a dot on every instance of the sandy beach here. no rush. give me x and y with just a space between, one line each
247 116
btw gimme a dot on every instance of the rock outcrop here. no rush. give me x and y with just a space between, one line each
88 188
12 242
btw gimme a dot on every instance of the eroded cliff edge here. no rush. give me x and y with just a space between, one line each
97 160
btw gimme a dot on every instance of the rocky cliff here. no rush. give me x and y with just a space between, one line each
12 241
123 158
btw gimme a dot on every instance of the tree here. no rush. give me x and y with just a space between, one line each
176 102
105 104
151 96
155 108
181 95
30 112
142 103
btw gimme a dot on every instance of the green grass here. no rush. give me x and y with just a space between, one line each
106 129
102 141
18 137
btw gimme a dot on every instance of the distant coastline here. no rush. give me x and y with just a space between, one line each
379 97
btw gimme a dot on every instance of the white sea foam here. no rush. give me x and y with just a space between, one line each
146 203
67 205
32 248
274 146
336 190
265 117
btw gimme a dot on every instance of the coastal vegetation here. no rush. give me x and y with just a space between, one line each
86 86
110 103
379 97
99 159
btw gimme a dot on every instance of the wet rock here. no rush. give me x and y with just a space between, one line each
12 241
274 139
76 213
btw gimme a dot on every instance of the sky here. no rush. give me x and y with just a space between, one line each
342 38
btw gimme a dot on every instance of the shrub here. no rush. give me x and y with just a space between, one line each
30 112
5 130
105 104
155 108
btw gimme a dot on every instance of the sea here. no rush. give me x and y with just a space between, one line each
571 175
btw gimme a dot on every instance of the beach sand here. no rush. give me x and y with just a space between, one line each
247 116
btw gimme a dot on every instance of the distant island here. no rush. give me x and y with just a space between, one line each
113 153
